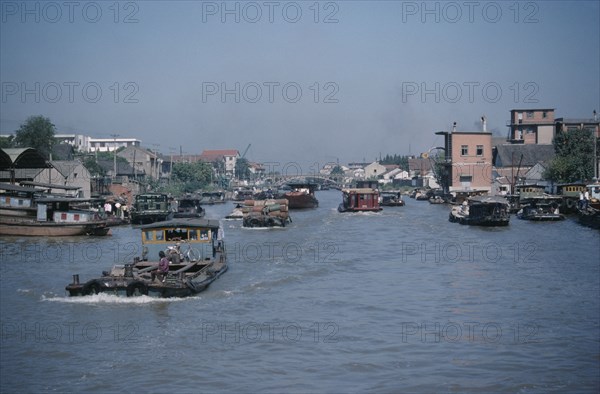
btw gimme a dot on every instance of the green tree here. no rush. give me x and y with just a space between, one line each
574 156
193 176
37 132
7 142
93 167
242 168
399 160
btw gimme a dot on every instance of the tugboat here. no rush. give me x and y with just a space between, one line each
481 211
360 200
192 268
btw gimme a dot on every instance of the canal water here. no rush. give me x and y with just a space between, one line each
397 301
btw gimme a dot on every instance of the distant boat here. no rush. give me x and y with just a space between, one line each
188 207
302 196
481 211
150 208
360 200
214 197
25 211
237 213
391 199
436 200
192 268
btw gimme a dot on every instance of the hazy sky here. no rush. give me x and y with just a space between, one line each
301 81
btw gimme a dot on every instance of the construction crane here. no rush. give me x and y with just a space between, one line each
245 151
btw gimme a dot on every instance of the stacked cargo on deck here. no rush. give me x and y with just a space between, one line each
266 213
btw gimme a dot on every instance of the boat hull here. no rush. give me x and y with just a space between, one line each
486 222
138 285
299 200
342 208
37 229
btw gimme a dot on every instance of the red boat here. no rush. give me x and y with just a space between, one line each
358 200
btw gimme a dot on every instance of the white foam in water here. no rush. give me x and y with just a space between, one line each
113 299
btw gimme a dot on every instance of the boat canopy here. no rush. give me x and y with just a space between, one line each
361 191
188 223
488 200
49 185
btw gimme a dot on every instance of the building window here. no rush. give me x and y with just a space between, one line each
544 114
479 150
464 150
466 178
529 114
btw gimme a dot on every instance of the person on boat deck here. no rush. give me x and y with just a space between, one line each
581 199
163 267
586 199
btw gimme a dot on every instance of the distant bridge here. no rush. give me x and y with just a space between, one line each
318 179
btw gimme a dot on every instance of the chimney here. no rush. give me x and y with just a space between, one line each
483 124
453 127
595 115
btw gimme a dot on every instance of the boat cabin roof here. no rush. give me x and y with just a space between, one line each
178 223
17 188
488 200
298 185
49 185
363 190
65 199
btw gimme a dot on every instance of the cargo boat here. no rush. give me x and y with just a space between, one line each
192 268
481 211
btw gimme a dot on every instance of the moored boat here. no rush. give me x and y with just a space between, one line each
436 200
589 217
360 200
541 208
192 268
481 211
570 195
150 208
24 211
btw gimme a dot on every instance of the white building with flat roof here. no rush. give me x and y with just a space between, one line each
111 144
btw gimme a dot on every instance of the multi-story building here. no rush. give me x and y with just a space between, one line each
228 156
566 124
78 141
143 161
84 143
468 160
531 126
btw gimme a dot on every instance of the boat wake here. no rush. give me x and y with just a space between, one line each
113 299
